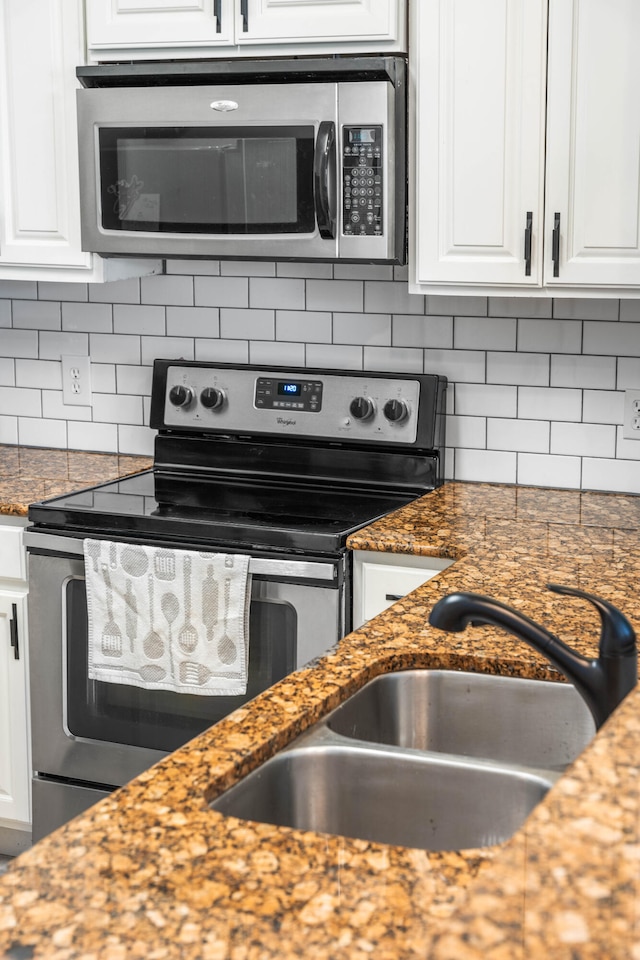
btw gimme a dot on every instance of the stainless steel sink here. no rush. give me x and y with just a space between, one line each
527 722
438 760
429 802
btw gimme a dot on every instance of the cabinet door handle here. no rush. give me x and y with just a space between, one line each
244 11
217 12
394 596
527 243
13 630
555 245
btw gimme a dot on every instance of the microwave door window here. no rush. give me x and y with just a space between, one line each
249 180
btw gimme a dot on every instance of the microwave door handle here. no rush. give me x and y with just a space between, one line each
324 169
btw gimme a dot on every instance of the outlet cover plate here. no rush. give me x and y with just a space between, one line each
631 423
76 381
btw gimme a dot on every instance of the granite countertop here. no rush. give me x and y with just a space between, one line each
29 474
152 872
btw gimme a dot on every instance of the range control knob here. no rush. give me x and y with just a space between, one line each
396 410
181 396
362 408
213 398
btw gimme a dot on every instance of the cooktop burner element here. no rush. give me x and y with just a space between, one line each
281 458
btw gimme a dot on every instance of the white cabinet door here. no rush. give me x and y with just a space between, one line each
14 729
479 81
593 142
151 26
379 579
288 21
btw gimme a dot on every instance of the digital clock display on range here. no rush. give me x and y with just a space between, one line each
289 389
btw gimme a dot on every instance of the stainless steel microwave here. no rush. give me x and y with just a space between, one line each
299 159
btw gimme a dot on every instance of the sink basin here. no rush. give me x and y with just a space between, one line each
533 723
386 796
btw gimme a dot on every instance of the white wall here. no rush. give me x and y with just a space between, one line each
536 386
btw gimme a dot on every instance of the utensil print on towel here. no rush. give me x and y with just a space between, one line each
133 561
195 673
164 564
170 608
209 602
227 650
153 644
131 615
148 671
93 550
188 636
111 633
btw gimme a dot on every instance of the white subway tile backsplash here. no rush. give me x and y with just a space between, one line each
247 324
586 309
544 470
53 346
393 359
530 369
92 436
550 336
42 432
549 403
36 315
18 343
535 385
306 326
117 409
87 317
276 352
278 293
221 291
602 406
368 329
153 347
8 430
45 374
613 339
144 319
484 333
113 348
117 291
583 439
193 322
380 297
168 290
511 434
485 400
485 466
470 432
345 295
590 372
408 330
620 476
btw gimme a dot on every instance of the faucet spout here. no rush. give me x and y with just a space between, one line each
602 682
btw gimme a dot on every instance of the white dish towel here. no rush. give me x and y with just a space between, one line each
168 619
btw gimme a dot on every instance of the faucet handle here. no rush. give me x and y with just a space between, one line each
617 636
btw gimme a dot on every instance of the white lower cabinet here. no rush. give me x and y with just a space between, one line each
379 579
15 766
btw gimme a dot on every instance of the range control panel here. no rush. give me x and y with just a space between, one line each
332 406
362 181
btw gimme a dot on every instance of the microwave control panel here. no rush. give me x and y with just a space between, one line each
362 181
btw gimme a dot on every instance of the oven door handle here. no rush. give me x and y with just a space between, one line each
259 566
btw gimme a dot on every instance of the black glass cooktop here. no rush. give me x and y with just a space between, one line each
300 517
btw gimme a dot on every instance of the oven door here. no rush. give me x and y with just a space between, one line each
104 733
209 170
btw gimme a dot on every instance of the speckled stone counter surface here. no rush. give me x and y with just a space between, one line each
152 872
28 474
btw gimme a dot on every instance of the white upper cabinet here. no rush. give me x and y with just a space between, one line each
187 28
525 163
593 148
41 43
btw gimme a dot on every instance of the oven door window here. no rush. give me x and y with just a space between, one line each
160 719
192 180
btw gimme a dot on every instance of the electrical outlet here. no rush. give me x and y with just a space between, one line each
76 381
631 423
